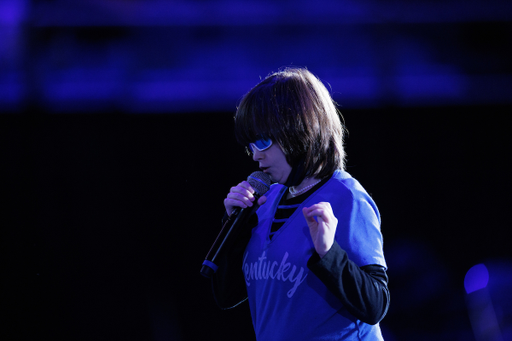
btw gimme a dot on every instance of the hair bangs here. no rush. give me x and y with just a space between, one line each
256 116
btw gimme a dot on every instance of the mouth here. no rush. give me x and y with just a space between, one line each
264 169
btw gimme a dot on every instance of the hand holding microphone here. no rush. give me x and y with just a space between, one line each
243 196
240 204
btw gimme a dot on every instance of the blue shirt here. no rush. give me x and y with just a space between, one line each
287 301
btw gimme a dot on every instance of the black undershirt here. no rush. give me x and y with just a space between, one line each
282 213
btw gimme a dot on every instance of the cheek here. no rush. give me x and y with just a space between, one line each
286 168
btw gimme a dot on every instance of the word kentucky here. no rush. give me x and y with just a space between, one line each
266 270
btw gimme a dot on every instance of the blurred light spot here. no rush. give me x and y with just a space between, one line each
476 278
12 11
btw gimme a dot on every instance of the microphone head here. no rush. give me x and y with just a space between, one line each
260 182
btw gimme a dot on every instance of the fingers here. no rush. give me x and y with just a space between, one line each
322 210
319 213
322 226
321 206
247 199
241 195
245 185
309 219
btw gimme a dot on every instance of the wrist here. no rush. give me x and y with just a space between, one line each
323 252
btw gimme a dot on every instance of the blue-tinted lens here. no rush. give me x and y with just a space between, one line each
261 144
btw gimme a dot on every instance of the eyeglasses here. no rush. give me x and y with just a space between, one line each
261 144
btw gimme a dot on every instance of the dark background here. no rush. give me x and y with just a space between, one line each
117 149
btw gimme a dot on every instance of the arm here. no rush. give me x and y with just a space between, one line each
362 290
228 282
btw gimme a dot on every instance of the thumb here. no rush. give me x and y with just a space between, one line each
262 200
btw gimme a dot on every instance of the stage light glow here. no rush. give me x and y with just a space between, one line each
476 278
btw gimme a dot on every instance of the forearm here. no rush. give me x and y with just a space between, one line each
228 283
363 291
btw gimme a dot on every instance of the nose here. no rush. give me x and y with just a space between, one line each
257 155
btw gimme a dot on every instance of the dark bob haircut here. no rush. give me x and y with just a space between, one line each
294 109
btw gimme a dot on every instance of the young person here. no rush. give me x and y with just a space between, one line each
310 261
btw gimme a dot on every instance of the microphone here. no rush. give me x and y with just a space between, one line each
260 182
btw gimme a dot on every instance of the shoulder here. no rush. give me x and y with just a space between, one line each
346 193
342 183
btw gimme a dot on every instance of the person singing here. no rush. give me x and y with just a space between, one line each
310 261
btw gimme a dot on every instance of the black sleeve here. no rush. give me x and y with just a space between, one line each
228 283
363 291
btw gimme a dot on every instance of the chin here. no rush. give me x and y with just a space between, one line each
274 180
281 182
